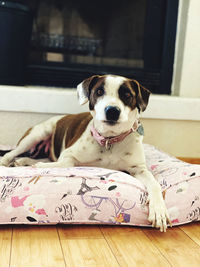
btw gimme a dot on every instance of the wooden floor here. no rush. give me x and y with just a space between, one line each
191 160
59 246
82 246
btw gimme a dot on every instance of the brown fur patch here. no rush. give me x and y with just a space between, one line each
142 95
88 83
127 95
71 128
93 96
26 133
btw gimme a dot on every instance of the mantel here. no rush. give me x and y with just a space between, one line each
62 101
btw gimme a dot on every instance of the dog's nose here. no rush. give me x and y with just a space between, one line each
112 113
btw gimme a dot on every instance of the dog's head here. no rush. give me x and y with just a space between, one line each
114 101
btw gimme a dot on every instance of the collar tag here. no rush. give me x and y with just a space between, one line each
140 130
108 146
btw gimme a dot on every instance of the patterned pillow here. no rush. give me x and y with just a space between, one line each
97 196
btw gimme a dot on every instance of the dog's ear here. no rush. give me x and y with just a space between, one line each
84 88
142 95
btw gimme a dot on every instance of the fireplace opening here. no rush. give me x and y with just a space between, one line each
73 39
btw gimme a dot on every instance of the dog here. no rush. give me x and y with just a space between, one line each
109 136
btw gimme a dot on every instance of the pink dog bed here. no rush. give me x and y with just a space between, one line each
84 195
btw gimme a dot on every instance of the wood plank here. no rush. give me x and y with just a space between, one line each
192 230
36 246
85 246
5 245
80 232
190 160
132 247
176 246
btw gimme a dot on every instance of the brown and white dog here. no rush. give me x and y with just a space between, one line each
106 137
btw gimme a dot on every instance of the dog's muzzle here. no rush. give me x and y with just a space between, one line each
112 114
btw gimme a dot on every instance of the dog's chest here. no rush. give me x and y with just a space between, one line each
118 156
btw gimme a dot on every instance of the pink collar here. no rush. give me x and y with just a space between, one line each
109 141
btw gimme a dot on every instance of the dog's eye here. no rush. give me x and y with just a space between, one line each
128 95
100 92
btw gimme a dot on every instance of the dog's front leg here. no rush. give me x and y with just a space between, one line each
158 214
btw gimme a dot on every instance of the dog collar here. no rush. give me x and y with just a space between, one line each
107 142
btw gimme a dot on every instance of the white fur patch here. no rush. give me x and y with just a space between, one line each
82 97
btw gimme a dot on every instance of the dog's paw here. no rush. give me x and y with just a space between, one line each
39 165
158 215
44 165
4 162
25 161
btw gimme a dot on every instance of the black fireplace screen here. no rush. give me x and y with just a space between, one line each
73 39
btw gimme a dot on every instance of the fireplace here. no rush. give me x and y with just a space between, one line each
73 39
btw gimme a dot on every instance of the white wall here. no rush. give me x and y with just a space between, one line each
186 79
14 124
176 137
